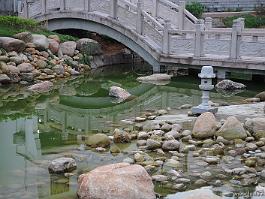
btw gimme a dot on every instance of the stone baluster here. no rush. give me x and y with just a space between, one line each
114 9
140 19
199 38
155 8
208 25
63 5
25 9
87 5
181 15
43 6
165 44
235 39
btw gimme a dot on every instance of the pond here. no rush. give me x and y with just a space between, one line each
35 129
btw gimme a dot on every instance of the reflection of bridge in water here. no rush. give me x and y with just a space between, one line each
158 97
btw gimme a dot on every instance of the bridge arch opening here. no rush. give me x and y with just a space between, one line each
59 24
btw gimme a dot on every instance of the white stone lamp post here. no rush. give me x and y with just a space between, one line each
206 86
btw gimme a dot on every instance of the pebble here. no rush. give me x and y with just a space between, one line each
212 160
159 178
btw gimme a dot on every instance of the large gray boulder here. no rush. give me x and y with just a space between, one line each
11 44
256 126
25 68
62 165
205 126
88 46
229 85
116 181
41 41
232 129
68 48
119 93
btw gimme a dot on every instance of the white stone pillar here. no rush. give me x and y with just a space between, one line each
235 39
155 8
87 5
114 9
43 6
63 5
181 15
165 44
140 19
199 38
26 9
208 23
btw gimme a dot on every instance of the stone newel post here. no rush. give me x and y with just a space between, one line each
139 21
206 76
181 14
199 38
87 5
43 6
114 8
238 26
165 44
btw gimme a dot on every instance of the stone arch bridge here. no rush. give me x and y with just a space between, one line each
161 32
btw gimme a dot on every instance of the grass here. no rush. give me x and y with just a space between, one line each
10 25
251 21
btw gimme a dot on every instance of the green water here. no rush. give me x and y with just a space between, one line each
37 128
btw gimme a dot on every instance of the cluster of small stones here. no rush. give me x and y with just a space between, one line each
30 58
216 152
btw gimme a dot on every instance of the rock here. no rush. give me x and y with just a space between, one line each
142 135
185 106
256 126
17 60
11 44
116 181
173 163
41 64
8 69
120 136
251 162
261 96
153 144
211 160
200 183
141 143
173 133
55 37
205 126
68 48
166 127
252 100
88 46
114 149
203 193
42 87
119 93
100 149
98 140
62 165
229 85
53 46
170 145
24 36
138 157
232 129
25 68
4 58
160 178
155 77
206 175
251 146
128 160
28 77
4 79
40 41
58 69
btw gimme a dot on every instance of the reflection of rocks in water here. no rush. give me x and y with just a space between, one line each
229 93
67 90
59 184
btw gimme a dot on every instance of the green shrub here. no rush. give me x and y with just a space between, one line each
196 9
251 21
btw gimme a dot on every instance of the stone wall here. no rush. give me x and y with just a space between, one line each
227 5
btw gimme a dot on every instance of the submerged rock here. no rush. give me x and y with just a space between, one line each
205 126
116 181
155 77
42 87
62 165
232 129
256 126
98 140
120 93
229 85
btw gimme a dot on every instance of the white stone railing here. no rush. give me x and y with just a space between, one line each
229 43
